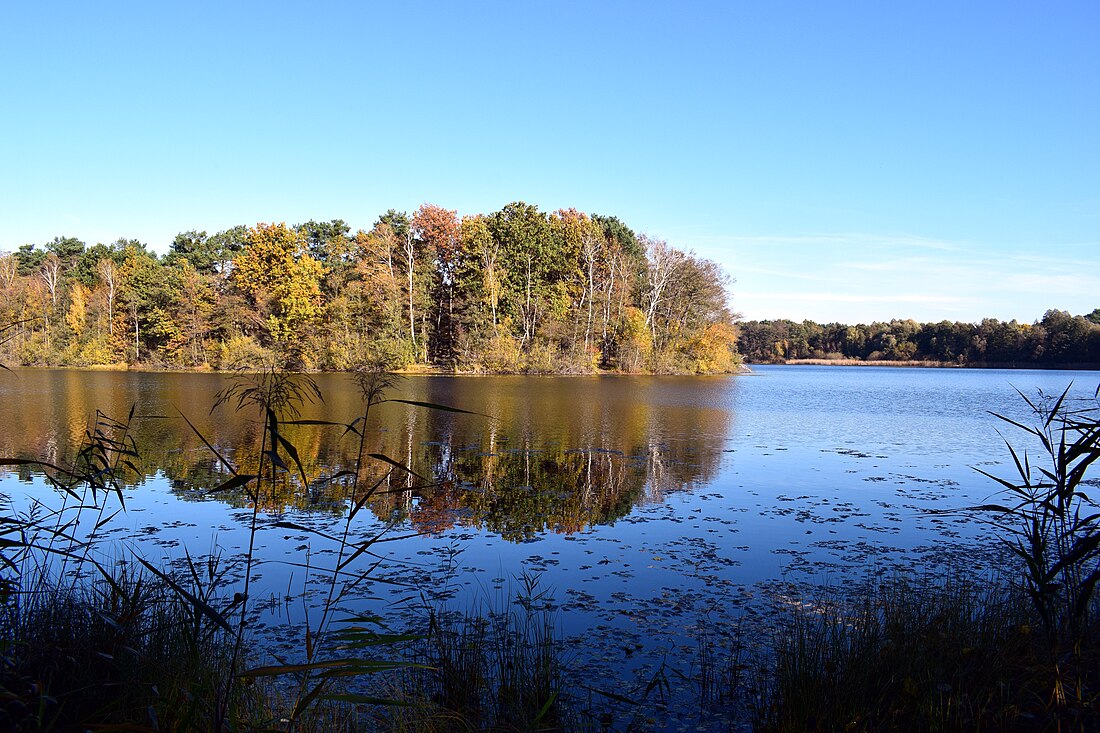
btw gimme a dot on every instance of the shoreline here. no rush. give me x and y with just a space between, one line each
910 363
746 369
413 371
917 364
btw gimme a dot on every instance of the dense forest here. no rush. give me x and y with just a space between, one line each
517 290
1059 339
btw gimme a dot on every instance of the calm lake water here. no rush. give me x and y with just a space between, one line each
648 507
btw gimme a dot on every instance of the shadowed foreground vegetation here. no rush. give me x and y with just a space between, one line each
905 655
91 640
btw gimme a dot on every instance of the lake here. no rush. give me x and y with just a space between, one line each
650 509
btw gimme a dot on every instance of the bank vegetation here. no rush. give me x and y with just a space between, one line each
1057 340
514 291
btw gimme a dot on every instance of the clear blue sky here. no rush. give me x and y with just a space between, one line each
843 160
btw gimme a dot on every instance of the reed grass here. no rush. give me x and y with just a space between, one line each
905 656
499 670
124 654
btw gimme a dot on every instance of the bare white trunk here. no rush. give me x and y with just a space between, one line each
409 254
109 276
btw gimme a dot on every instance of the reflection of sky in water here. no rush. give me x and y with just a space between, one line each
793 475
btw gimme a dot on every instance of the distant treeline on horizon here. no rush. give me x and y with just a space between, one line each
1058 339
517 290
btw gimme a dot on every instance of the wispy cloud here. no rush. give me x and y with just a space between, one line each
828 297
1084 284
842 239
1060 261
785 273
904 263
862 277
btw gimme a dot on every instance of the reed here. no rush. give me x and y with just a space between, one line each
486 669
902 655
122 654
1052 526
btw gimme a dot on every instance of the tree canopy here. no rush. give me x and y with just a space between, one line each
515 290
1057 339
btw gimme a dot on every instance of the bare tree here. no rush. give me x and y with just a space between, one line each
108 273
9 268
51 275
664 266
410 262
592 244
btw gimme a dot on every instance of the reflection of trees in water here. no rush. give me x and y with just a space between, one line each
519 493
575 459
564 453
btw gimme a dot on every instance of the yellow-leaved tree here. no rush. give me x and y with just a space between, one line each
713 350
283 282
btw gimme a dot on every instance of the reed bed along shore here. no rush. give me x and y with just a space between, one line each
879 362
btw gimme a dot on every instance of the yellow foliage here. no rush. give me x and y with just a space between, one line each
275 270
77 316
242 352
714 350
502 353
636 342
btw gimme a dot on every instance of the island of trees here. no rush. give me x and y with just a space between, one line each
517 290
1057 340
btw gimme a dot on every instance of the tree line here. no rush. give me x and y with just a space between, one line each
517 290
1058 339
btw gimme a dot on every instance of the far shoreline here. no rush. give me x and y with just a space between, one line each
918 364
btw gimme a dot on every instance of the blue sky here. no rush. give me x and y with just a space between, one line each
844 161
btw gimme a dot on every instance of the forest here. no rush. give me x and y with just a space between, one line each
517 290
1056 340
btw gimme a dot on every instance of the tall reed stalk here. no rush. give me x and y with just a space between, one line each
1053 524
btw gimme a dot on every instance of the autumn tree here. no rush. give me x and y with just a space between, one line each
437 231
406 256
135 281
107 271
514 290
283 284
523 236
194 305
664 265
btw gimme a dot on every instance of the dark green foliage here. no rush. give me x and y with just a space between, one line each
86 269
397 221
621 234
328 241
67 249
29 259
1058 339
